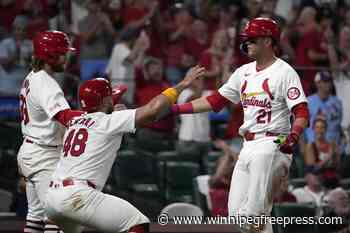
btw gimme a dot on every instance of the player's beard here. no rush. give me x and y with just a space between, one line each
58 68
110 109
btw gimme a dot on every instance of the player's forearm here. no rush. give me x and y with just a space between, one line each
301 118
215 102
156 108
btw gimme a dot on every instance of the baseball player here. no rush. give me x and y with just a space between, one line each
91 142
44 111
270 91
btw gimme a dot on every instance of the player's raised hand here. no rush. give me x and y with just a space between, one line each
194 73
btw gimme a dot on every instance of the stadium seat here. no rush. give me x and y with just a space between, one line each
168 156
345 167
297 182
345 183
178 180
181 209
134 171
5 200
294 210
212 158
153 145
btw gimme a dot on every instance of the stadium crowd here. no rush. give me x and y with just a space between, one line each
149 45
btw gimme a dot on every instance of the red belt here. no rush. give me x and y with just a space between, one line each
68 182
251 136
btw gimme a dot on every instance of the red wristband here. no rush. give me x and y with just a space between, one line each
186 108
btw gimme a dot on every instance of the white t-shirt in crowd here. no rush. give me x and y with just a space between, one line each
194 127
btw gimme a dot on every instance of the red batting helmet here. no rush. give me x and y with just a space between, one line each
117 93
259 27
49 45
92 92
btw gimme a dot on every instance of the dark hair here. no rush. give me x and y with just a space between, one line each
37 64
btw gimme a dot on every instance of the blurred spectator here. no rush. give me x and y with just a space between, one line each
323 104
8 11
39 12
220 181
96 30
15 56
198 40
120 68
115 14
194 130
309 52
254 8
339 56
323 155
138 12
150 82
338 206
269 11
313 191
283 195
230 14
213 58
178 59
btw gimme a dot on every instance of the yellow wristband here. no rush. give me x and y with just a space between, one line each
172 94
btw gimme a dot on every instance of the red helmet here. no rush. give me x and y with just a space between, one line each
117 93
261 27
49 45
92 92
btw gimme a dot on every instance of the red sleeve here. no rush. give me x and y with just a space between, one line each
217 101
300 111
66 115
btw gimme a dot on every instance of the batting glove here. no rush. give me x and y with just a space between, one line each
286 143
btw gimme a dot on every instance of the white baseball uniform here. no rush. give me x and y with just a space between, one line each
267 97
90 148
40 99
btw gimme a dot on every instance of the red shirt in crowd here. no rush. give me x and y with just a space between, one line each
7 15
206 60
145 91
310 40
285 197
194 48
132 14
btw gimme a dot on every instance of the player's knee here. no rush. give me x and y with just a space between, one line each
141 228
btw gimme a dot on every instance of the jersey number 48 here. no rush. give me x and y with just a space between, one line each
75 142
